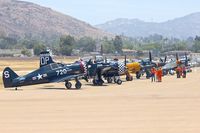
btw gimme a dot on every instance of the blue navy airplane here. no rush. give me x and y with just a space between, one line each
49 72
98 69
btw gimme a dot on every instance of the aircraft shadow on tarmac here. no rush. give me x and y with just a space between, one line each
96 85
14 90
54 88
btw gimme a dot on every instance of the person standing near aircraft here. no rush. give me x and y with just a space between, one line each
178 71
159 74
184 71
153 74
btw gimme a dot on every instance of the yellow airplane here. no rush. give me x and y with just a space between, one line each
134 68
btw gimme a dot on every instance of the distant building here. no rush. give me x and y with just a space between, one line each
129 52
195 55
180 53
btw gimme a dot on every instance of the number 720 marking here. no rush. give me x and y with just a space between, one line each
61 72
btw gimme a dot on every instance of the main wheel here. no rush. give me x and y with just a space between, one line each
100 83
115 79
68 85
138 75
78 85
109 80
119 81
127 78
94 82
131 78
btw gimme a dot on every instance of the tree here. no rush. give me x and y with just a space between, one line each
38 48
86 44
180 46
7 42
118 43
26 52
66 45
107 45
196 46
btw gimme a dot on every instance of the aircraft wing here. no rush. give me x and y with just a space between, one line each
68 77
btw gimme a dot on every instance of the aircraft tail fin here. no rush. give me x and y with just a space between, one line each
45 58
8 76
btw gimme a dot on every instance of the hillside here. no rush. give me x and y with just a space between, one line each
24 19
182 27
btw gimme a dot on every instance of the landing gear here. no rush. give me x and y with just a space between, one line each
138 75
148 74
97 82
109 80
78 85
68 85
119 82
16 88
129 78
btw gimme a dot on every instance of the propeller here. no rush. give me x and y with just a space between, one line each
125 60
150 57
186 60
101 49
177 57
165 59
161 60
105 59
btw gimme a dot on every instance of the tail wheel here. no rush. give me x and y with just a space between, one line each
78 85
68 85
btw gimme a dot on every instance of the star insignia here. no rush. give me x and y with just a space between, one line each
39 76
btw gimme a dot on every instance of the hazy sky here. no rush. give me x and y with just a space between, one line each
100 11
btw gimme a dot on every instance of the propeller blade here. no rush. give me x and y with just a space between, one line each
165 59
186 60
161 60
101 49
177 57
125 60
150 57
186 56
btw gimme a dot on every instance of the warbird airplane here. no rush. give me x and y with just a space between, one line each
96 70
49 72
173 64
144 66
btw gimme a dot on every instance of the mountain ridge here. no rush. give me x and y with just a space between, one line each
22 19
181 27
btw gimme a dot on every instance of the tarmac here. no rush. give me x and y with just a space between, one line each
139 106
